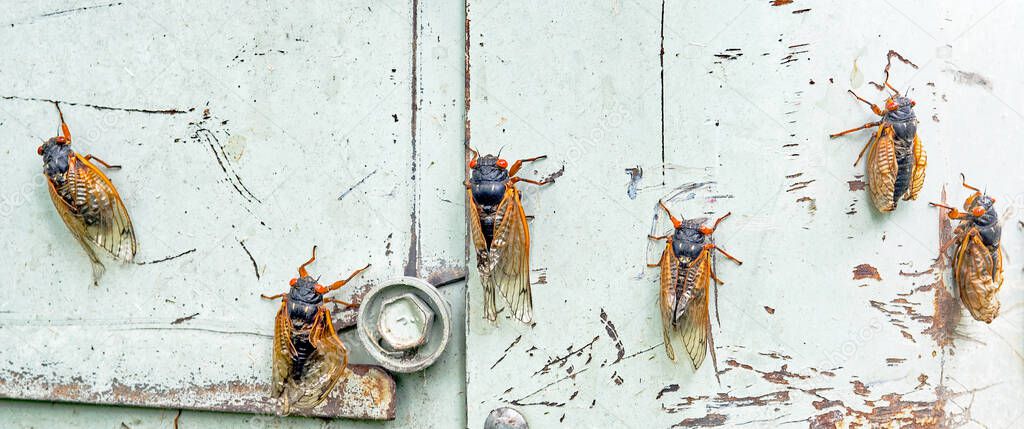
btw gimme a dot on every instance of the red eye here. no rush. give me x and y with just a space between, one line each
978 211
502 163
913 103
472 164
320 289
890 105
40 151
292 282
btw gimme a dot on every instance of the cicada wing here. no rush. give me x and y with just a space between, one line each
978 276
284 352
920 165
95 211
325 367
668 302
77 228
482 257
882 169
695 324
510 257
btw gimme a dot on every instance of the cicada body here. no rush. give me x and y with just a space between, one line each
500 234
86 200
896 160
977 255
686 273
309 358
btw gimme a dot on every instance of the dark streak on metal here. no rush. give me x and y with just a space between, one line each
255 267
360 182
613 333
551 177
667 389
856 185
519 402
507 349
661 60
726 400
99 107
66 11
561 361
167 258
181 320
225 163
412 263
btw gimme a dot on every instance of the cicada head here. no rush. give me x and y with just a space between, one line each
306 290
489 167
689 238
899 107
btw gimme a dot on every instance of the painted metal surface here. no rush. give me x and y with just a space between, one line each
247 133
728 108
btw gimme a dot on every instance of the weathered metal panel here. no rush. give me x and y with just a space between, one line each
728 108
248 133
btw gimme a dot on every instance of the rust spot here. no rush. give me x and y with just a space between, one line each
781 2
779 397
733 363
830 420
856 185
781 376
769 309
710 420
775 355
947 309
860 389
866 271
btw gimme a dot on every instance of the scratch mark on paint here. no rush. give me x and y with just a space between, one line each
561 361
255 267
360 182
167 258
181 320
100 107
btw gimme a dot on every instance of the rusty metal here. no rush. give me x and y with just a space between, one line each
368 392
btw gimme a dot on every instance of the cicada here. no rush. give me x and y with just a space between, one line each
86 200
309 358
896 162
500 233
686 273
978 256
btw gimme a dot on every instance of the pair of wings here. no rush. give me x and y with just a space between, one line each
684 305
92 209
978 274
505 264
324 368
883 168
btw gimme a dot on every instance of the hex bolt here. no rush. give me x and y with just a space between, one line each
404 322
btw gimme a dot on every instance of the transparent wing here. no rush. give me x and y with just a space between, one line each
920 165
694 327
284 353
882 169
482 257
510 257
92 209
669 296
978 275
326 366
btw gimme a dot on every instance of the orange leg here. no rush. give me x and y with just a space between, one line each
338 284
102 162
874 108
519 164
63 125
659 237
273 296
675 222
865 149
715 226
653 265
345 303
727 255
862 127
302 268
964 182
713 276
953 212
520 179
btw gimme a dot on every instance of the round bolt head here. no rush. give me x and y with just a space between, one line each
404 322
505 418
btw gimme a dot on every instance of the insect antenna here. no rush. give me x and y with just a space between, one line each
499 151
